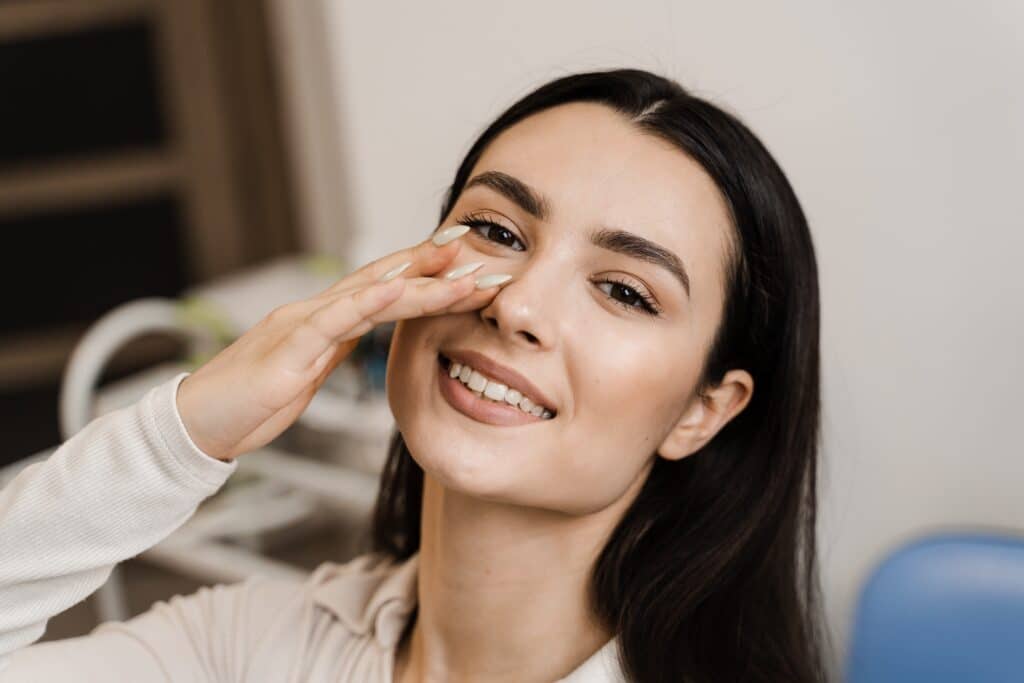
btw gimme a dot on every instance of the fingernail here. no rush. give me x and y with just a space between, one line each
448 234
466 269
394 272
491 280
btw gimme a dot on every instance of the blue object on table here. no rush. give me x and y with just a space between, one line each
946 608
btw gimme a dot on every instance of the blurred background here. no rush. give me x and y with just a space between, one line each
149 148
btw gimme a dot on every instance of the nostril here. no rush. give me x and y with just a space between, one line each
531 337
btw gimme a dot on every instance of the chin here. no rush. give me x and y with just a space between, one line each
459 460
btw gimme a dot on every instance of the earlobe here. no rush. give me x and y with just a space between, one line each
687 434
707 414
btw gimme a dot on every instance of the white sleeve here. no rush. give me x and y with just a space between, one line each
117 487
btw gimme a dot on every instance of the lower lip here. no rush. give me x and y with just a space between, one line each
479 408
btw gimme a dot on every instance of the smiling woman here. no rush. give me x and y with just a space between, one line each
606 454
664 296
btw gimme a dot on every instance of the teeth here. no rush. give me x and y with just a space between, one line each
495 391
476 382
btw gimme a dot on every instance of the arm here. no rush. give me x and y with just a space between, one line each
247 631
131 477
119 486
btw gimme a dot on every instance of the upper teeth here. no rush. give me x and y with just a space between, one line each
496 391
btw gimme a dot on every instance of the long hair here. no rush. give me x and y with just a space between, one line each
711 574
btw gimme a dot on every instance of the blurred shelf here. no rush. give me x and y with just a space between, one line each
193 174
27 18
37 358
33 358
58 185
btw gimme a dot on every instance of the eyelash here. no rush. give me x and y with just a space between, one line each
647 303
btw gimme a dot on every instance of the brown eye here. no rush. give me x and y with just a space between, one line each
629 297
492 232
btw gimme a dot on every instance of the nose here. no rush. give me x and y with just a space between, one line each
522 310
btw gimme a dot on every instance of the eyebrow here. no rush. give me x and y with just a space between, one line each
514 189
618 241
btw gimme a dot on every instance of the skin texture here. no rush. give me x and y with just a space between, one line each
514 517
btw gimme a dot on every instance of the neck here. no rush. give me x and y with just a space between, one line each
503 590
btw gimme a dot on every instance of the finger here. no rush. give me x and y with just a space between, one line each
433 302
344 318
310 339
425 258
476 298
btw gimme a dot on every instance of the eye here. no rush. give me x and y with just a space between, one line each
623 293
628 296
493 232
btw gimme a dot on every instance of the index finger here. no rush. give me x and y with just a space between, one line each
426 258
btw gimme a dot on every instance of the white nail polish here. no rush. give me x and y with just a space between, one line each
462 270
448 234
394 272
485 281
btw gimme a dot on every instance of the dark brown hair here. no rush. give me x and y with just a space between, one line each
711 574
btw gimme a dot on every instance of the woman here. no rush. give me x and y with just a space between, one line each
584 484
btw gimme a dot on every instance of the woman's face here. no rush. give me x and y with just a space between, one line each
572 321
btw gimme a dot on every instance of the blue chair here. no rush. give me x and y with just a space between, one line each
947 608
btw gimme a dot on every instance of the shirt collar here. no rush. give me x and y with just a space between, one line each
374 597
369 596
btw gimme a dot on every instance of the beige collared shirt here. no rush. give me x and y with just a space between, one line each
120 485
342 624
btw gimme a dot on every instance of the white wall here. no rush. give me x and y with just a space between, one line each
901 125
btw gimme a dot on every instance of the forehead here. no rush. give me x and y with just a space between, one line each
599 170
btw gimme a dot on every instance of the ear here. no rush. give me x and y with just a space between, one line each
708 413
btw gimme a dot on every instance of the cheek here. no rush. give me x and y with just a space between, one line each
615 427
629 390
406 374
397 370
619 384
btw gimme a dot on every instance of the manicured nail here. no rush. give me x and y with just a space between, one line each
394 272
448 234
491 280
466 269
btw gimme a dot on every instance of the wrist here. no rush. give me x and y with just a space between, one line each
184 404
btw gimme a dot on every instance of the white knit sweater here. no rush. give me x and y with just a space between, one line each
117 487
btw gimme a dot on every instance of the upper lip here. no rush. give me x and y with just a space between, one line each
502 373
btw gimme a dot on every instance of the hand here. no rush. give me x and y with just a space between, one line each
250 392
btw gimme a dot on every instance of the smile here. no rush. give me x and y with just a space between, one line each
489 408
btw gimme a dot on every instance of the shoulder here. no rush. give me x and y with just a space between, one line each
253 606
353 592
366 597
269 627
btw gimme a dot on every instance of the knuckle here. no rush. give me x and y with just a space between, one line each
304 334
279 313
317 320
